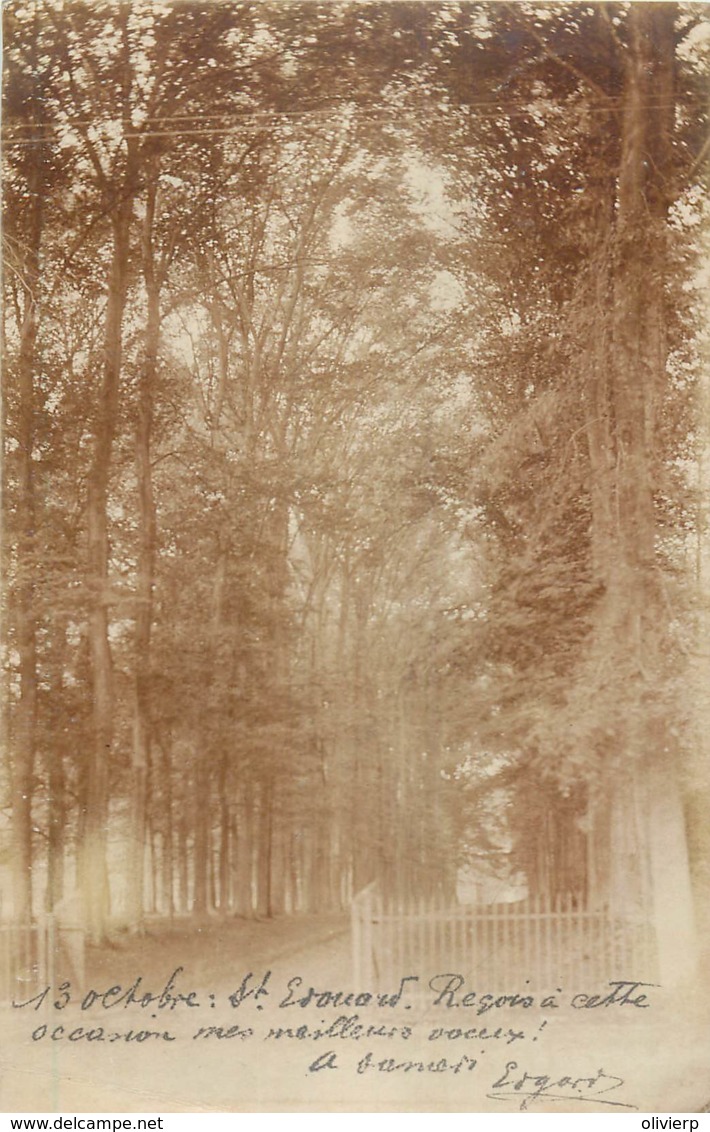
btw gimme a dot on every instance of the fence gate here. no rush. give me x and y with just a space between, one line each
33 956
537 944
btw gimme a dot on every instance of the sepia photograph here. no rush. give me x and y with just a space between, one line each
355 557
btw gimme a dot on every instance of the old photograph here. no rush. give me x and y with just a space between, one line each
355 556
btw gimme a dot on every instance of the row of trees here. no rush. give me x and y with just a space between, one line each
350 434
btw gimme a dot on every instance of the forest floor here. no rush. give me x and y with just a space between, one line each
202 1038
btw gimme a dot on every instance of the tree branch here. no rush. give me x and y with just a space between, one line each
566 65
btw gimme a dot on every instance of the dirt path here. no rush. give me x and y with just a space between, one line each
213 952
210 1073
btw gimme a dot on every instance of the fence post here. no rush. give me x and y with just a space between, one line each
361 919
42 934
6 949
51 945
367 938
356 925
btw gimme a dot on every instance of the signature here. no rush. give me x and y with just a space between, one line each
531 1087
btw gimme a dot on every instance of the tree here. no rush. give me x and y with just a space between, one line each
25 235
589 600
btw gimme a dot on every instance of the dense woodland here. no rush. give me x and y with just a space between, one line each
354 424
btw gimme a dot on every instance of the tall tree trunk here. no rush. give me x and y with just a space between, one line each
201 818
57 807
361 750
277 881
639 346
206 758
146 561
243 843
639 375
630 629
168 829
25 607
94 874
264 849
225 871
56 784
183 866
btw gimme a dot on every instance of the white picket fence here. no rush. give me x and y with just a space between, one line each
36 955
539 943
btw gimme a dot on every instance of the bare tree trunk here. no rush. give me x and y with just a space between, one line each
25 610
207 757
264 849
119 189
151 846
183 867
167 826
201 817
361 746
93 847
304 855
644 196
56 785
295 873
627 384
56 832
213 871
243 850
145 568
225 871
277 880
